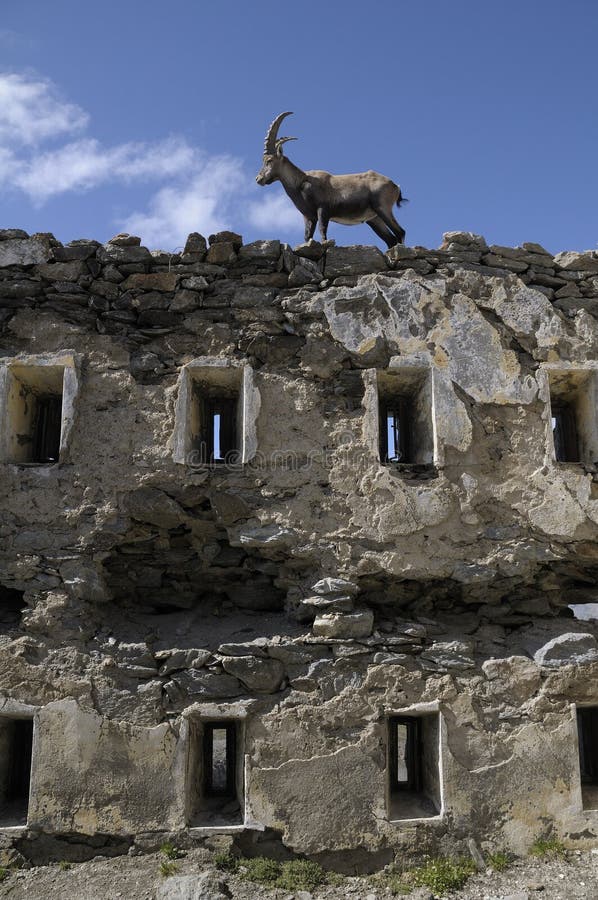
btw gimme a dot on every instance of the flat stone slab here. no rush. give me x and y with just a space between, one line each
25 252
355 260
567 649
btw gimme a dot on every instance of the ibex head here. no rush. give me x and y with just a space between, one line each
271 165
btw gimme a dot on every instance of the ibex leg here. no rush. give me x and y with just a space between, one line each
323 220
391 223
310 227
382 231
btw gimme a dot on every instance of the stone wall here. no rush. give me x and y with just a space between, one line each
305 591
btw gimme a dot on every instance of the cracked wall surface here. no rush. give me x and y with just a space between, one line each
306 587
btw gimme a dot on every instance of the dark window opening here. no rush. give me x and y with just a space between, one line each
12 605
47 423
396 431
218 429
219 753
587 736
413 766
405 754
16 745
564 432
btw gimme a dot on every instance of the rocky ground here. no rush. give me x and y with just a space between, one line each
573 877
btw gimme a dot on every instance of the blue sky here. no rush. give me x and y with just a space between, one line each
150 117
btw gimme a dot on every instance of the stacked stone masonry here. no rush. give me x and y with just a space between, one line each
297 615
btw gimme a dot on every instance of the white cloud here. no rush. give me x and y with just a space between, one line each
192 191
275 213
31 110
85 164
205 204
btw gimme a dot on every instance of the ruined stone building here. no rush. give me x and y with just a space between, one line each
290 542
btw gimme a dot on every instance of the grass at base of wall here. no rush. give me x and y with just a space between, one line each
293 875
548 848
439 874
499 860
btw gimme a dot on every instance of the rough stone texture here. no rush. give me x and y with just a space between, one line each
310 592
568 649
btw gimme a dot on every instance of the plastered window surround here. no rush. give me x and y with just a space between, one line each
419 793
34 388
571 397
403 396
206 379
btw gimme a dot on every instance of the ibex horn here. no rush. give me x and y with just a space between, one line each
270 145
281 141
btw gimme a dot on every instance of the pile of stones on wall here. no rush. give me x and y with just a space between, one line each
311 604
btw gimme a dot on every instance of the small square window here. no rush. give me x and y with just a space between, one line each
216 413
37 410
16 745
413 766
587 736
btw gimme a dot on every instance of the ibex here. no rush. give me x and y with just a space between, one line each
322 197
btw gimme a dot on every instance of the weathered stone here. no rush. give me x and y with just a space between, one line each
19 289
357 624
24 252
195 283
261 675
503 262
148 504
463 238
176 660
302 274
152 281
193 887
450 655
355 260
257 647
12 234
221 253
125 240
226 237
569 259
260 250
312 250
150 300
115 253
76 250
185 301
202 684
195 244
568 649
66 271
317 604
104 289
327 586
